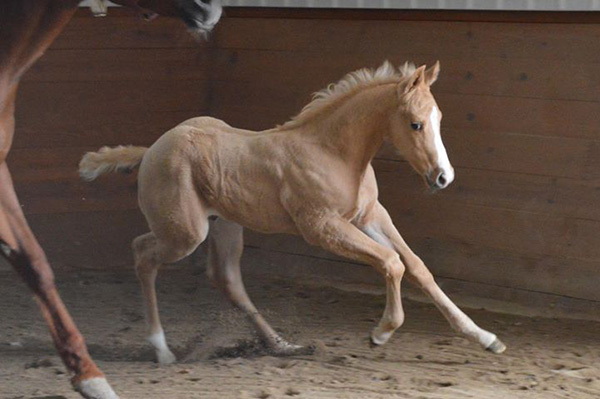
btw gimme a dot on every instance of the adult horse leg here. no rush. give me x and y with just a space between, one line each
20 248
226 244
381 228
343 238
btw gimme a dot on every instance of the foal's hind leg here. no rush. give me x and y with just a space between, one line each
225 250
150 253
146 266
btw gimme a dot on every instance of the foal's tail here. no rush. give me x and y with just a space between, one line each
119 159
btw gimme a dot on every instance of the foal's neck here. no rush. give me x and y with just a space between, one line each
354 128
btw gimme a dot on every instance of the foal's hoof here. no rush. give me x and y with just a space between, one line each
284 348
496 347
95 388
380 338
165 357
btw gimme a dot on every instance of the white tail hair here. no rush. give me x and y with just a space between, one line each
107 159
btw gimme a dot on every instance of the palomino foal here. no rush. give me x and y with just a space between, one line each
311 176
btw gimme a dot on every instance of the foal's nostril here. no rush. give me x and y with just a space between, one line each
441 180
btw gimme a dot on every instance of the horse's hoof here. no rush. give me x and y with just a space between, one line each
165 357
496 347
95 388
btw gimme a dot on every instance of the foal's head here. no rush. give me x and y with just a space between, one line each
199 15
415 129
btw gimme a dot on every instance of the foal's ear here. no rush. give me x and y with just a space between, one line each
431 75
417 78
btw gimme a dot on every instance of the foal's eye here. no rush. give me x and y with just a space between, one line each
417 126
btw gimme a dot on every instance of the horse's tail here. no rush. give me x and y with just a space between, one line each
120 159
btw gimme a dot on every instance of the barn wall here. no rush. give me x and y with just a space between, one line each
521 125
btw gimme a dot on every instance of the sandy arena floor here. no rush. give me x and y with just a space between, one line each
546 358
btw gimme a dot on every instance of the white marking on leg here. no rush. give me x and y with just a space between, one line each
462 323
96 388
163 353
443 161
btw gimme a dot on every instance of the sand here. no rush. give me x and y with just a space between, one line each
218 357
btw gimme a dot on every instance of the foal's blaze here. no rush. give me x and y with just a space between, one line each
415 130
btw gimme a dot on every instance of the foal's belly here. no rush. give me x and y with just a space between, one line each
252 203
265 219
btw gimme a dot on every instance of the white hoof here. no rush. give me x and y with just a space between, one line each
380 337
496 347
96 388
165 357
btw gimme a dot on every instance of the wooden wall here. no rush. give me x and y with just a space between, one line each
522 128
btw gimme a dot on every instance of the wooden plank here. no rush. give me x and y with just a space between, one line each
94 240
507 77
124 29
546 156
100 113
520 232
545 195
46 181
109 65
504 268
69 194
461 39
539 17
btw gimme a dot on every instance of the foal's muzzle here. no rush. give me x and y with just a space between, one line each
439 178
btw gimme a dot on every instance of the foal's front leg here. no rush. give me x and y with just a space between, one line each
378 225
343 238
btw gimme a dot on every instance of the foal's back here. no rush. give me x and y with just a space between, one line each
203 163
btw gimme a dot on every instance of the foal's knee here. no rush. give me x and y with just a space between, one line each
393 268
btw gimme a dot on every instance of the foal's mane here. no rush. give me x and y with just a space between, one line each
352 82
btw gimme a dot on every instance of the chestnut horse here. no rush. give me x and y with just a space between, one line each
311 177
27 28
